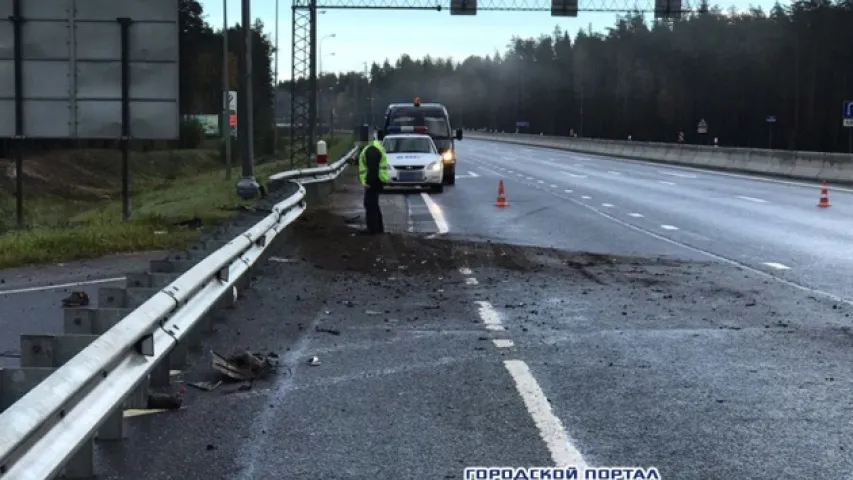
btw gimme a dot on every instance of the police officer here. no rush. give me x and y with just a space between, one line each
373 174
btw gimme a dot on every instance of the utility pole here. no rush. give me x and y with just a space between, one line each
275 90
247 187
226 91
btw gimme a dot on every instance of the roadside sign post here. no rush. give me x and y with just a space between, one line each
702 129
847 122
771 120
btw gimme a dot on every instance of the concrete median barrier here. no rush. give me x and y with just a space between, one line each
832 167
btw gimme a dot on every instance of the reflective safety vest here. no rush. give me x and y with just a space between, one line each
383 163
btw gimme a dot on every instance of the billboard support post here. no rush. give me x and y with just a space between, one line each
124 23
18 25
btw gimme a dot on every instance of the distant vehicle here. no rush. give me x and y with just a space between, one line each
413 159
435 118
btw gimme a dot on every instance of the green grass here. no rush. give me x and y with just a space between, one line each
86 227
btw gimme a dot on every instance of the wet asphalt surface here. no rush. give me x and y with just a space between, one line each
433 351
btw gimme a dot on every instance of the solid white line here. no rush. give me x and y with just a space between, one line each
777 266
436 213
563 452
636 215
668 227
606 204
465 271
43 288
471 281
473 174
666 183
488 314
752 199
673 174
503 343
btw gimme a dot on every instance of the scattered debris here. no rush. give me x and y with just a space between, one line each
314 361
327 330
76 299
244 366
206 386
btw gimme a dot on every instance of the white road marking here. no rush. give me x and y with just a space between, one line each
636 215
541 181
471 281
496 328
286 260
553 186
529 178
607 205
465 271
674 174
585 197
668 227
666 183
614 172
579 165
503 343
563 451
43 288
752 199
437 214
520 175
573 175
777 266
473 174
568 191
510 171
488 314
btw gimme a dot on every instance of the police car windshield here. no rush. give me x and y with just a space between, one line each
434 120
407 145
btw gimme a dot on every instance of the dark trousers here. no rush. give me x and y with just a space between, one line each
372 211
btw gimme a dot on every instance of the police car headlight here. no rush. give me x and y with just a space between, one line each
434 166
447 156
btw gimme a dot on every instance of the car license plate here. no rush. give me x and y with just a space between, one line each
411 176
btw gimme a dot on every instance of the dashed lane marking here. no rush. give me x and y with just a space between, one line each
471 281
568 191
488 314
752 199
465 271
777 266
553 186
665 182
563 451
608 205
636 215
472 174
573 175
503 343
614 172
669 227
541 181
675 174
585 197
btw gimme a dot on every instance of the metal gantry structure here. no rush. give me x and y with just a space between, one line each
303 94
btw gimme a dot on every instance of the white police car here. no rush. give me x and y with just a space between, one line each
413 159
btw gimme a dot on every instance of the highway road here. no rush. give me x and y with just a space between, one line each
684 320
31 297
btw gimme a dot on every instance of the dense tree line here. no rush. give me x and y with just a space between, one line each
201 81
646 81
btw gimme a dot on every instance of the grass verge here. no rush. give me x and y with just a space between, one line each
69 227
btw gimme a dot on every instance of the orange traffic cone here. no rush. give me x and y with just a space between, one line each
824 196
501 197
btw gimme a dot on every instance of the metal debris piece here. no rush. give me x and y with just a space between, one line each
244 366
206 386
327 330
314 361
76 299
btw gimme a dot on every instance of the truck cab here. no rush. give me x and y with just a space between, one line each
434 117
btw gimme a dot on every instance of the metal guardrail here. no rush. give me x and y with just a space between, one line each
46 427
